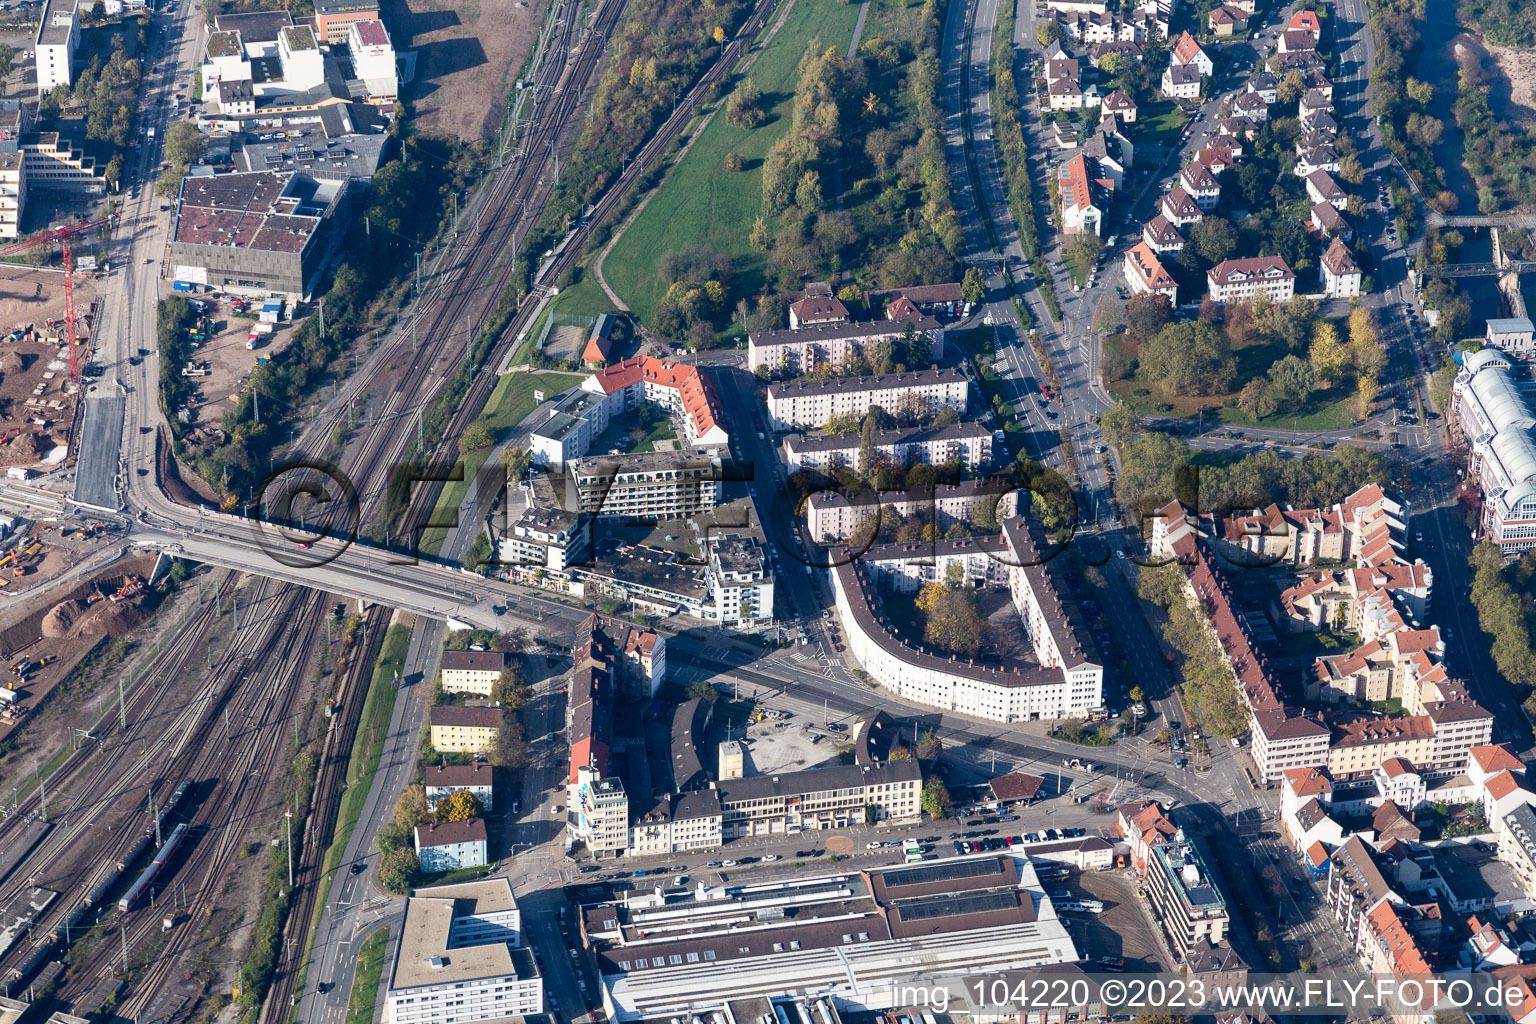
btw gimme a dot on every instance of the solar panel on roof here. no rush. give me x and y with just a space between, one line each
942 871
955 906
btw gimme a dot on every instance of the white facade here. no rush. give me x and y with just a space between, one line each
373 58
58 33
459 958
968 443
809 347
813 403
1241 280
452 845
1494 414
831 517
1511 334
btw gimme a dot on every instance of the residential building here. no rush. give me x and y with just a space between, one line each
543 537
822 934
1266 84
600 342
1241 279
58 33
459 957
807 348
472 671
335 18
463 730
1319 158
1144 274
597 812
677 823
1180 207
1305 20
1083 196
1368 526
1313 103
1355 885
1065 679
1341 275
1251 105
944 301
1120 104
1491 409
1201 185
1111 153
1239 126
1517 845
443 780
816 310
1186 51
1292 41
1181 82
1123 50
740 580
1226 20
646 485
1184 896
831 516
1215 966
1143 826
1328 222
258 234
373 60
1321 188
1161 235
811 403
685 392
451 845
968 443
1510 334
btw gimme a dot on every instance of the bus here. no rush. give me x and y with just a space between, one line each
913 851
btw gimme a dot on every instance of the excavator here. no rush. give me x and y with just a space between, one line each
132 585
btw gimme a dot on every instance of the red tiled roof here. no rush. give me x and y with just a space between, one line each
696 394
1497 757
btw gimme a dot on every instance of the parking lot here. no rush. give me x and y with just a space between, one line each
1123 931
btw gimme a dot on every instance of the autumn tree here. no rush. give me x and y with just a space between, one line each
1146 314
1256 398
1366 390
973 288
510 691
936 799
399 869
1327 356
460 805
411 808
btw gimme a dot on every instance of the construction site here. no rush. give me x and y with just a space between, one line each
37 400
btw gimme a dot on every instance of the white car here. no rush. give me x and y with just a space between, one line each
873 846
767 858
727 863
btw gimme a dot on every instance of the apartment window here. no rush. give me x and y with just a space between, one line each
709 954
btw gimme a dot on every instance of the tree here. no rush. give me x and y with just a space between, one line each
515 461
929 746
169 182
411 808
732 162
1327 356
973 288
936 800
700 689
1351 170
1189 359
1366 390
476 437
1146 314
98 11
1487 201
510 750
1210 312
1047 32
7 61
1213 238
1291 88
718 35
1255 399
760 239
460 805
399 869
1106 313
1083 249
510 691
808 192
184 144
1293 378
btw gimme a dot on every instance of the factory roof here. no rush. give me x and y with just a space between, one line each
257 211
423 956
255 26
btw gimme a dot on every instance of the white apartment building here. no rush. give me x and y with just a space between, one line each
647 485
1281 741
459 958
1341 275
472 671
740 580
597 812
1064 682
58 33
448 846
544 538
678 823
1492 410
1145 274
13 194
812 346
833 517
443 780
968 443
1241 280
811 403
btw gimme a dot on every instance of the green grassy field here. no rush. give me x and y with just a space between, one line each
365 983
1160 122
703 204
511 400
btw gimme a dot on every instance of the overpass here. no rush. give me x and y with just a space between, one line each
1480 269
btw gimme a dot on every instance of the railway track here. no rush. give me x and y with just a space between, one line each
140 710
570 252
330 785
225 820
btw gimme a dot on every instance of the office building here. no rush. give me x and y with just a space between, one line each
1184 896
373 60
459 958
335 18
841 796
1491 408
259 234
850 937
58 33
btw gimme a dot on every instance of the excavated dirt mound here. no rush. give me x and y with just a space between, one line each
61 618
10 361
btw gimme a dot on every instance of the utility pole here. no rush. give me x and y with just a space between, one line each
226 724
322 319
122 704
824 712
154 814
42 792
288 816
124 934
234 606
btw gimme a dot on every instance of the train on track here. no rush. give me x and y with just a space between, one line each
85 914
155 869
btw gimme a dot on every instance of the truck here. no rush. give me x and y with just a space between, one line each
181 286
258 335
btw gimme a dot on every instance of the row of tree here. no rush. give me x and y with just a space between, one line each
1210 689
1502 160
1396 96
1503 600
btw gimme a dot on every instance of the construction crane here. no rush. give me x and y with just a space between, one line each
62 236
